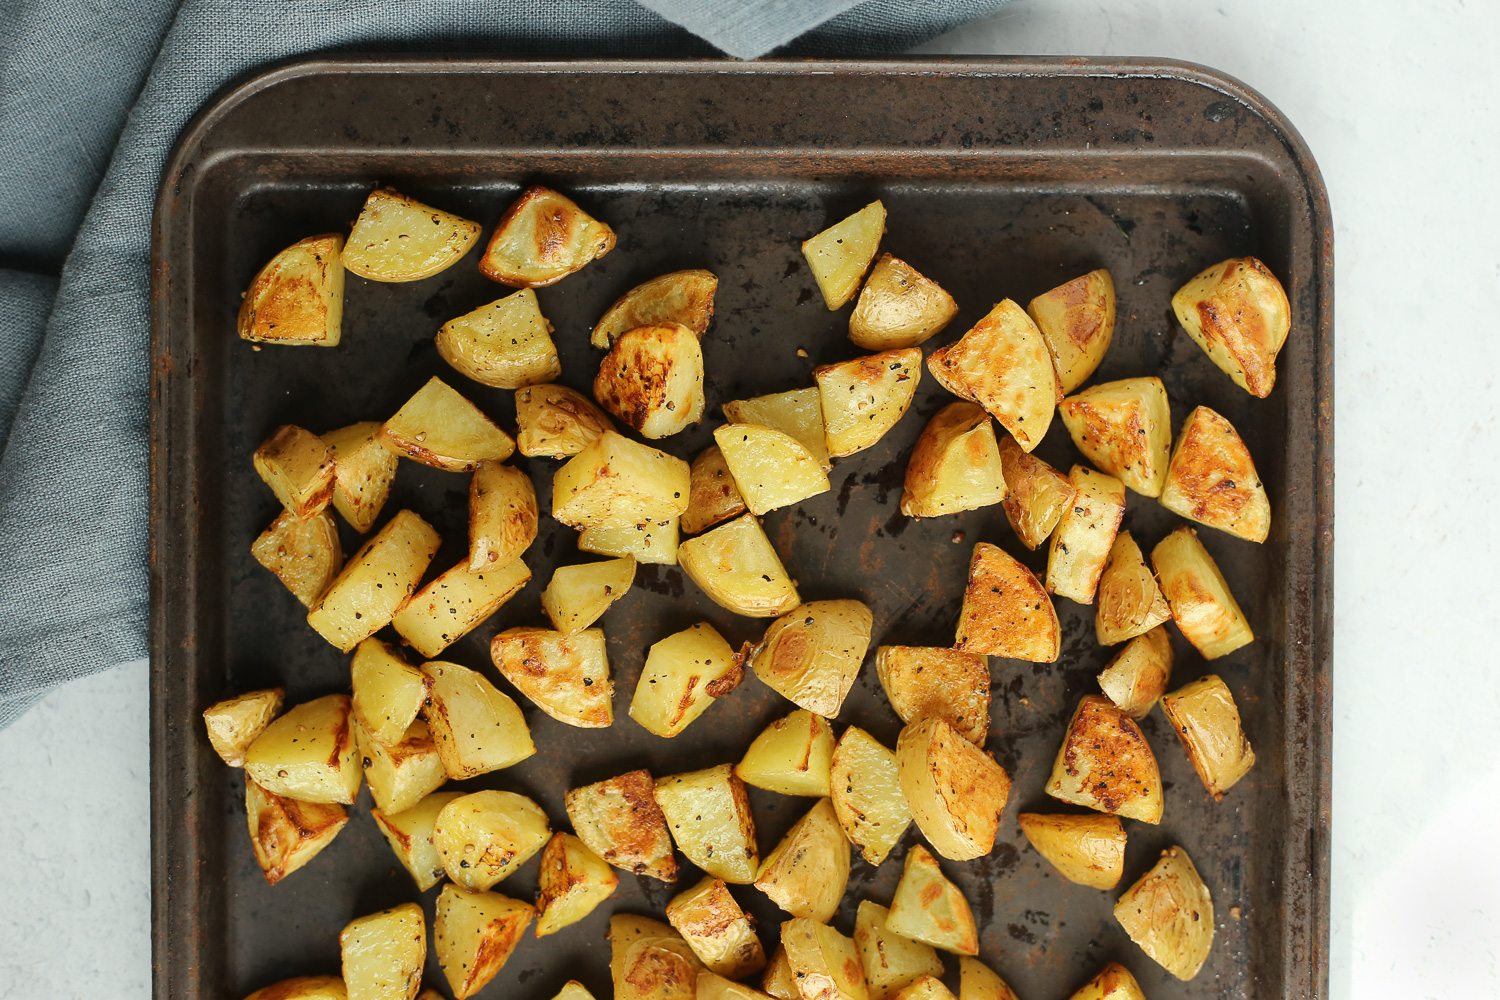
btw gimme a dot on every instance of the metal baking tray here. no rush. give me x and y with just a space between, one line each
1002 177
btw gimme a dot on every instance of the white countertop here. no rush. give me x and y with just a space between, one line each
1395 103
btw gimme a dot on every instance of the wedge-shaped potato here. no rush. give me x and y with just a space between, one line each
650 542
502 515
682 676
286 833
375 582
865 397
554 421
713 495
404 773
717 929
572 990
652 379
1085 535
383 954
977 981
1106 764
797 413
808 871
1129 603
898 307
303 988
474 934
650 961
955 465
308 753
811 655
485 836
234 723
1207 721
739 570
925 988
927 907
1077 320
1006 612
542 238
792 756
867 797
578 595
1170 914
573 881
682 298
298 297
1202 606
620 821
1089 850
1138 674
712 986
397 238
1003 365
1113 983
440 428
1213 481
824 963
770 469
296 464
931 683
778 979
303 552
1125 428
477 729
566 676
506 344
955 791
409 833
709 816
1036 494
388 691
617 483
1238 313
363 470
890 961
457 602
839 256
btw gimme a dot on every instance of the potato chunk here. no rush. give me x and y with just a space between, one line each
485 836
620 821
1213 481
824 963
929 908
1238 313
977 981
383 954
1207 721
797 413
1036 494
652 542
403 773
375 582
739 570
955 465
573 880
578 595
477 728
1170 914
303 988
867 796
925 988
1125 428
363 470
807 873
1129 601
554 421
1006 612
682 676
296 464
566 676
948 684
713 495
811 655
1202 606
397 238
770 469
865 397
1085 535
542 238
650 961
617 483
440 428
1077 320
955 790
792 756
898 307
778 979
839 256
717 929
409 833
1106 764
234 723
298 297
652 379
712 986
890 962
709 816
506 344
1138 674
303 552
1003 365
572 990
287 833
1114 982
682 298
474 934
456 603
1089 850
308 753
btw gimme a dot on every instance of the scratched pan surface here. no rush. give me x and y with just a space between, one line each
1002 179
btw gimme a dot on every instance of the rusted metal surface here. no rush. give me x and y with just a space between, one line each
1002 178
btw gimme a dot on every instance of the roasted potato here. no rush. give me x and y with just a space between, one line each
308 753
1129 603
717 929
572 881
554 421
1089 850
924 988
1077 320
363 470
650 542
955 465
1003 365
890 961
303 552
929 908
709 816
791 756
457 602
287 833
839 256
931 683
739 570
898 307
1207 721
403 773
474 934
502 515
620 821
811 655
867 797
1036 494
566 676
778 979
296 464
476 727
298 297
808 871
383 954
234 723
650 961
542 238
572 990
303 988
713 495
715 987
865 397
1106 764
397 238
578 595
485 836
1202 606
1238 313
682 298
1124 428
1137 675
1170 914
506 344
1113 983
955 790
1213 481
652 380
797 413
824 963
682 676
1085 535
440 428
770 469
617 483
410 835
375 582
977 981
1005 611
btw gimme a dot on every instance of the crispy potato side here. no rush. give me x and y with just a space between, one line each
1036 494
1124 428
1114 982
898 307
1212 479
824 963
890 961
1006 611
502 515
303 988
839 256
1003 365
925 988
864 397
977 981
566 676
1105 763
770 469
1129 603
1238 313
927 682
506 344
736 566
383 954
571 883
1089 850
650 542
618 483
682 298
681 677
812 654
867 797
955 465
955 790
1202 606
375 582
1207 721
807 873
296 465
652 380
650 961
363 470
797 413
477 728
297 299
308 753
713 495
286 833
409 833
778 979
553 421
440 427
484 836
712 986
303 552
1077 320
457 602
620 821
234 723
542 238
929 908
1085 535
1137 675
709 816
474 934
403 773
1170 914
792 756
577 595
397 238
717 929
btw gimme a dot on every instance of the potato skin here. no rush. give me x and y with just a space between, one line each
542 238
1089 850
1138 674
1212 480
956 791
717 929
811 655
1238 313
1128 601
1114 982
714 495
1106 764
1077 320
927 907
1207 721
738 568
554 421
506 344
682 298
1006 611
807 873
1170 914
1036 494
565 675
898 307
650 961
303 988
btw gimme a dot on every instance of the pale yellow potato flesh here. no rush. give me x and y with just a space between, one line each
812 654
807 873
955 465
650 961
474 934
1212 479
1137 675
1077 320
477 728
457 602
565 675
1128 601
363 470
738 569
713 495
303 552
796 412
572 990
542 238
409 833
792 756
1036 494
506 344
824 963
286 833
890 962
297 299
708 814
616 483
863 398
977 981
1106 764
1087 849
1085 535
652 542
403 773
682 298
1003 365
898 307
925 988
954 789
296 465
1125 429
1006 611
713 924
483 837
923 682
770 469
777 979
1170 914
571 883
441 428
712 986
308 753
553 421
502 515
1205 611
234 723
839 256
620 821
1207 721
681 677
1238 313
867 798
303 988
1114 982
652 380
375 582
578 595
397 238
383 954
929 908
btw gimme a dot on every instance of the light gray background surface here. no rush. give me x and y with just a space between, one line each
1397 100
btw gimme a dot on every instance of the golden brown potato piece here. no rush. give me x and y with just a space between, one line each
709 816
375 582
865 397
303 988
234 723
713 496
1138 674
502 516
440 428
1212 480
652 379
477 728
618 483
955 465
717 929
867 797
383 954
456 603
770 469
924 988
808 871
298 297
296 464
578 595
303 552
898 307
308 753
927 682
929 908
1006 612
409 833
506 344
1089 850
403 773
791 756
485 836
1129 603
824 963
682 298
650 542
977 981
811 655
542 238
1125 428
1238 313
1036 494
1207 721
572 990
554 421
715 987
797 413
890 961
620 821
474 934
566 676
650 961
955 790
1003 365
778 979
1085 535
1106 764
1170 915
1113 983
739 570
397 238
363 470
1202 606
286 833
572 881
682 676
839 256
1077 320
